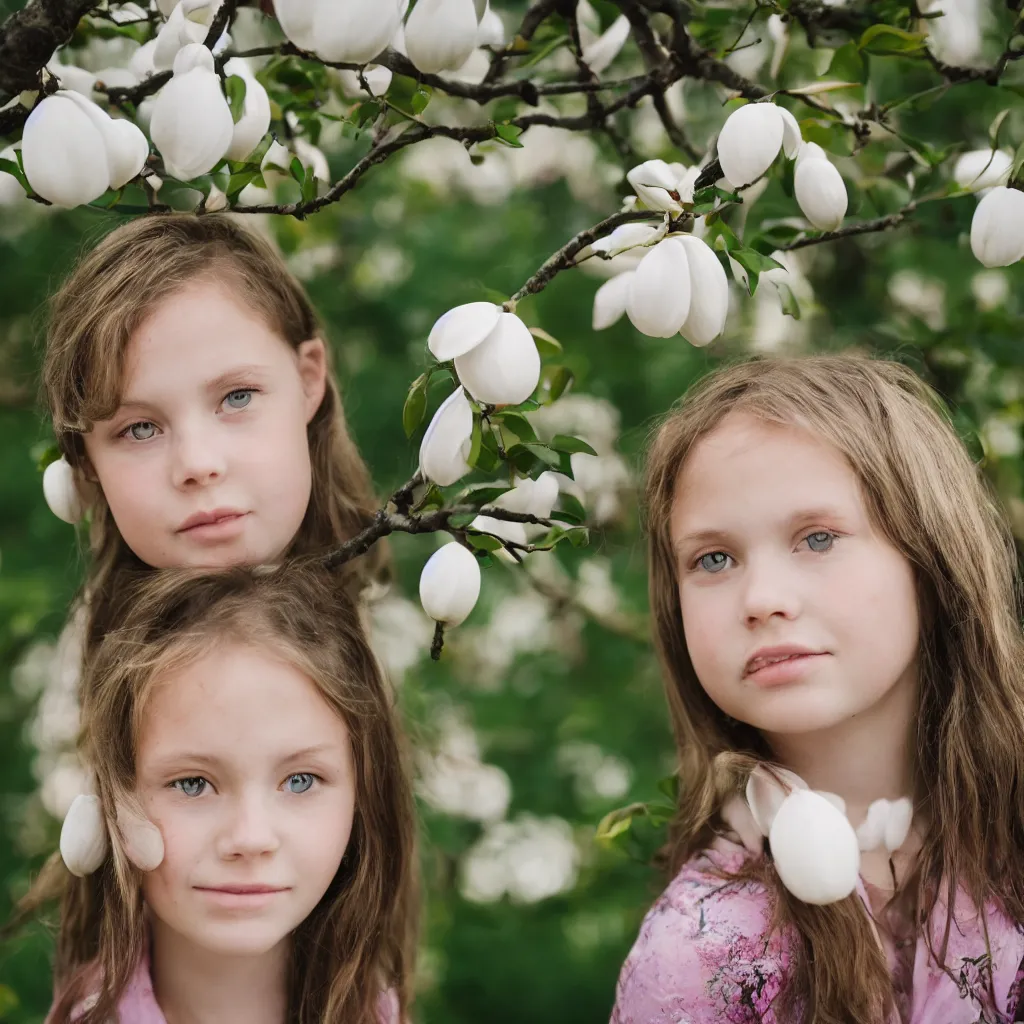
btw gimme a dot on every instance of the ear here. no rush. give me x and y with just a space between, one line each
767 787
312 363
142 841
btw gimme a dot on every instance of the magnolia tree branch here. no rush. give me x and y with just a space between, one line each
893 220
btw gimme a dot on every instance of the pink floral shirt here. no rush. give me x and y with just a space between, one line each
704 955
138 1005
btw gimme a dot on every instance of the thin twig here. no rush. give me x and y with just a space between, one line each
893 220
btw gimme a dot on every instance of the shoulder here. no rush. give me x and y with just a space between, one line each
136 1005
705 952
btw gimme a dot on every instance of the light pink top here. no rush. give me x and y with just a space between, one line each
704 955
138 1005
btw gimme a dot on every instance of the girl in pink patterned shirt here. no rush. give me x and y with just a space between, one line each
837 617
258 854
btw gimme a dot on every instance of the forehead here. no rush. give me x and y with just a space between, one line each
199 330
748 466
233 699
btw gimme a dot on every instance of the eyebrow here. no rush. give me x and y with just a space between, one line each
232 377
194 757
802 517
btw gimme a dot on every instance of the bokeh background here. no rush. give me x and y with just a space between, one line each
546 710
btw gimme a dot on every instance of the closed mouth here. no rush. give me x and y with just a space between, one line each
760 661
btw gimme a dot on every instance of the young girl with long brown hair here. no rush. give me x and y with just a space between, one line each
259 862
837 614
189 384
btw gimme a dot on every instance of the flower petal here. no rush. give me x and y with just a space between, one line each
504 368
610 300
461 329
749 142
659 294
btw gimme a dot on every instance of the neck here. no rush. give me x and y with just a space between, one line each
864 758
195 986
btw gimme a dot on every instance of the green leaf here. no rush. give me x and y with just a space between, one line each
834 138
297 170
509 135
572 445
538 451
518 424
234 86
8 1000
479 496
754 262
580 537
669 785
477 439
571 506
1018 162
789 304
432 498
887 41
420 99
556 379
847 65
15 171
483 541
706 199
365 112
546 345
461 520
238 181
996 127
415 407
488 460
616 822
47 454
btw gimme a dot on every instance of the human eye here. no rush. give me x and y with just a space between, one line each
821 540
712 562
239 398
140 430
192 786
300 782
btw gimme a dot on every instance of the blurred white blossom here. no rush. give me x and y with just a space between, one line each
596 774
400 634
923 297
990 289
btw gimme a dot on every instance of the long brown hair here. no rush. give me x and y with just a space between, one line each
928 498
93 316
360 938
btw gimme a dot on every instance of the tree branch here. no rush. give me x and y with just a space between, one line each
893 220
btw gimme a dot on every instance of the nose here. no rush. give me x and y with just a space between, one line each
198 459
770 591
249 828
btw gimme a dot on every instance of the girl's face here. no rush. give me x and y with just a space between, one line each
798 614
206 462
248 774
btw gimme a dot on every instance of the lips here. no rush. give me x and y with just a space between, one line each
217 515
243 890
774 655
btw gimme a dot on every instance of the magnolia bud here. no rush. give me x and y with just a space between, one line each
61 493
749 142
766 790
531 497
64 153
814 848
191 125
627 236
71 78
504 368
821 193
656 185
450 584
598 51
792 140
83 836
296 18
610 300
441 34
141 62
981 169
127 148
659 294
354 31
313 160
997 230
187 23
446 443
809 151
255 120
491 31
462 328
216 201
709 293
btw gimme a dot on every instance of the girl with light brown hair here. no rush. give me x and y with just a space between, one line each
189 385
838 618
259 860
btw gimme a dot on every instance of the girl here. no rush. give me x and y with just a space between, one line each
189 387
834 599
260 819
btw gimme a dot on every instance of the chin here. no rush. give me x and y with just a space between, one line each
242 938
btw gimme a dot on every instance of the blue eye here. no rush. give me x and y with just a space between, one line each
141 431
713 561
300 782
239 398
821 540
190 787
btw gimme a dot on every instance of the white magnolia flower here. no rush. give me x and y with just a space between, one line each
127 148
377 78
462 328
610 300
83 836
441 34
981 169
791 137
71 78
513 533
627 236
659 293
313 160
191 124
531 497
598 50
997 230
504 367
749 142
491 31
809 151
187 23
450 584
657 185
709 293
955 35
60 492
887 824
820 193
255 120
352 32
447 442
